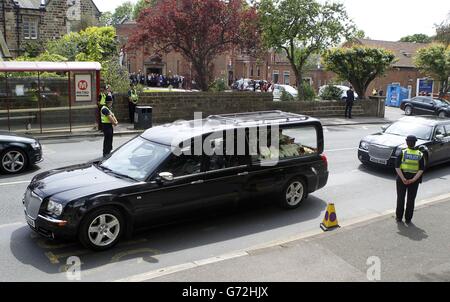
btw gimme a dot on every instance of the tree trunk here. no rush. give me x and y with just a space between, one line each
299 77
444 88
201 76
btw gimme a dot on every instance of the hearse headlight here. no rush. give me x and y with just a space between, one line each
398 151
364 145
54 207
36 145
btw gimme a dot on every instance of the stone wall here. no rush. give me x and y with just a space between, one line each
168 107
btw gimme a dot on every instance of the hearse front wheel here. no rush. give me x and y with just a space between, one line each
101 229
293 193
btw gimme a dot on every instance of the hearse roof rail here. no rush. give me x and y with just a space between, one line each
265 117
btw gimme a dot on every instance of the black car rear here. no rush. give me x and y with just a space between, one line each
18 152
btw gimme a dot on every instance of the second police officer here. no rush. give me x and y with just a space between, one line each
409 167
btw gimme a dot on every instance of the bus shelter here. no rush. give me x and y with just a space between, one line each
38 97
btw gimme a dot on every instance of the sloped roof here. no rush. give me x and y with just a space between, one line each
19 66
404 51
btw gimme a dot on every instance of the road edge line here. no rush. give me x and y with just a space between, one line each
246 252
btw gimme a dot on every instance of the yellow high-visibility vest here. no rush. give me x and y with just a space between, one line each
102 99
105 118
410 160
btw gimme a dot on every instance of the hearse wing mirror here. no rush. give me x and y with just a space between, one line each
439 138
384 127
165 177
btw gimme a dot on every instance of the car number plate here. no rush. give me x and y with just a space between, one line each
30 221
378 161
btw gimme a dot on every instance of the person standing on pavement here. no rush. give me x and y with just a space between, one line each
133 99
349 102
100 103
109 121
409 167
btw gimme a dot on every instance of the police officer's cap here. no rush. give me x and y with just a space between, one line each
411 138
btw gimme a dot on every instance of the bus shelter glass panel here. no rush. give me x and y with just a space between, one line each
84 100
24 106
4 99
54 97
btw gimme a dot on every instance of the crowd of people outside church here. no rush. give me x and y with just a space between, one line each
157 80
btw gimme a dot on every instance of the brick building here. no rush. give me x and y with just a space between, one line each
28 22
275 67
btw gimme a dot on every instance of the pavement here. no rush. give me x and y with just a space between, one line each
376 250
392 114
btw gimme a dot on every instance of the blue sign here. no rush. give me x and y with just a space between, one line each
425 87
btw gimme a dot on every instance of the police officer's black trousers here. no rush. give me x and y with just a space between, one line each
108 133
401 194
348 109
131 110
99 117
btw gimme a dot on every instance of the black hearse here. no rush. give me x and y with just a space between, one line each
179 169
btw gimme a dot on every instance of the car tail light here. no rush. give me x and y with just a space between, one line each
325 160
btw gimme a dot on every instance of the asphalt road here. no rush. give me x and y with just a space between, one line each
356 191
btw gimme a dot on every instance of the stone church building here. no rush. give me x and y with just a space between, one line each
27 22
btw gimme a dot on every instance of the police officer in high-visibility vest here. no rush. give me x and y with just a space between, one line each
108 122
100 103
409 167
133 99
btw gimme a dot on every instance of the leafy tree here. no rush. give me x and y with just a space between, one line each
443 32
310 94
301 28
361 34
123 11
331 92
92 44
200 30
416 38
106 19
141 5
115 75
286 96
218 85
434 61
358 65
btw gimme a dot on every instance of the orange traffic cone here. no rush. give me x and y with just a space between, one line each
330 221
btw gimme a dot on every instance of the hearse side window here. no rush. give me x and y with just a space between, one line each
218 158
447 130
439 131
184 164
294 142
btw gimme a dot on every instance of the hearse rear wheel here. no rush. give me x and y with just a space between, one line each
293 194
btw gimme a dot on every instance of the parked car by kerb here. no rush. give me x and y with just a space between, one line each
18 152
383 148
423 105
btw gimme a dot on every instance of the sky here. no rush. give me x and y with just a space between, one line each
381 19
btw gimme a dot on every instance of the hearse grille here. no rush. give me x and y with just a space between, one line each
380 152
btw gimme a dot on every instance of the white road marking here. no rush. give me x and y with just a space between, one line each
15 183
181 267
241 253
47 151
343 149
12 224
